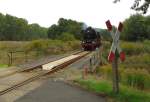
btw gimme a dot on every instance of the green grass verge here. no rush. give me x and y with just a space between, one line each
3 66
126 94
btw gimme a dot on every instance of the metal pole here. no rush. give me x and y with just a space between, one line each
8 59
91 65
26 57
11 58
115 75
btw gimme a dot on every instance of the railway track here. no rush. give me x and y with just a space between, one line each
52 67
7 73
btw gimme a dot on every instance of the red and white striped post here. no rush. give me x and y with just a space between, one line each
112 57
85 71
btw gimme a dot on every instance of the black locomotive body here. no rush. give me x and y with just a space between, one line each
91 39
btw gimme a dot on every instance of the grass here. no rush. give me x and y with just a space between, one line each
137 61
135 48
135 77
3 65
134 74
34 49
130 48
126 94
134 71
12 45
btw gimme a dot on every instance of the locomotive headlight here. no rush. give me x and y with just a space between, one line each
93 42
83 42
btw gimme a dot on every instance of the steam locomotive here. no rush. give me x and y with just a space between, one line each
91 39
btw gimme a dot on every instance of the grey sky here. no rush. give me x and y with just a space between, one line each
47 12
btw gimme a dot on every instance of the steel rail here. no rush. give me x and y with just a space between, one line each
32 68
55 69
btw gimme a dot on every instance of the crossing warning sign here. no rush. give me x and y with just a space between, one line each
112 57
115 45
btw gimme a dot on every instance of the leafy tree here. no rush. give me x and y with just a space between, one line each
70 26
134 28
2 24
139 6
53 32
21 28
10 27
65 26
67 37
13 28
36 32
105 34
147 26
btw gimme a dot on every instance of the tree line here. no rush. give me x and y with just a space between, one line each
135 28
13 28
17 29
65 27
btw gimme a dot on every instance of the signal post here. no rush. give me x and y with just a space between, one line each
113 54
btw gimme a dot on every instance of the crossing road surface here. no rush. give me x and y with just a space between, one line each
58 91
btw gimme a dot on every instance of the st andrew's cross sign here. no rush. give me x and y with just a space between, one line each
112 54
115 45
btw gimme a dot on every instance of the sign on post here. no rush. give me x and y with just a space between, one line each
112 57
115 45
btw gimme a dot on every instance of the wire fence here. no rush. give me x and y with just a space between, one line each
19 57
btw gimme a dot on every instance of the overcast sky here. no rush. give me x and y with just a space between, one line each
47 12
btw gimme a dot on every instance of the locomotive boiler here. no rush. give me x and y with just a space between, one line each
91 39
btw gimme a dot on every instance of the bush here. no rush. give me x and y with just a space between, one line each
74 44
52 46
105 51
106 71
37 45
135 48
139 78
147 45
137 61
67 37
12 45
134 71
132 48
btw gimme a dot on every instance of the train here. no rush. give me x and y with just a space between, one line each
91 39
